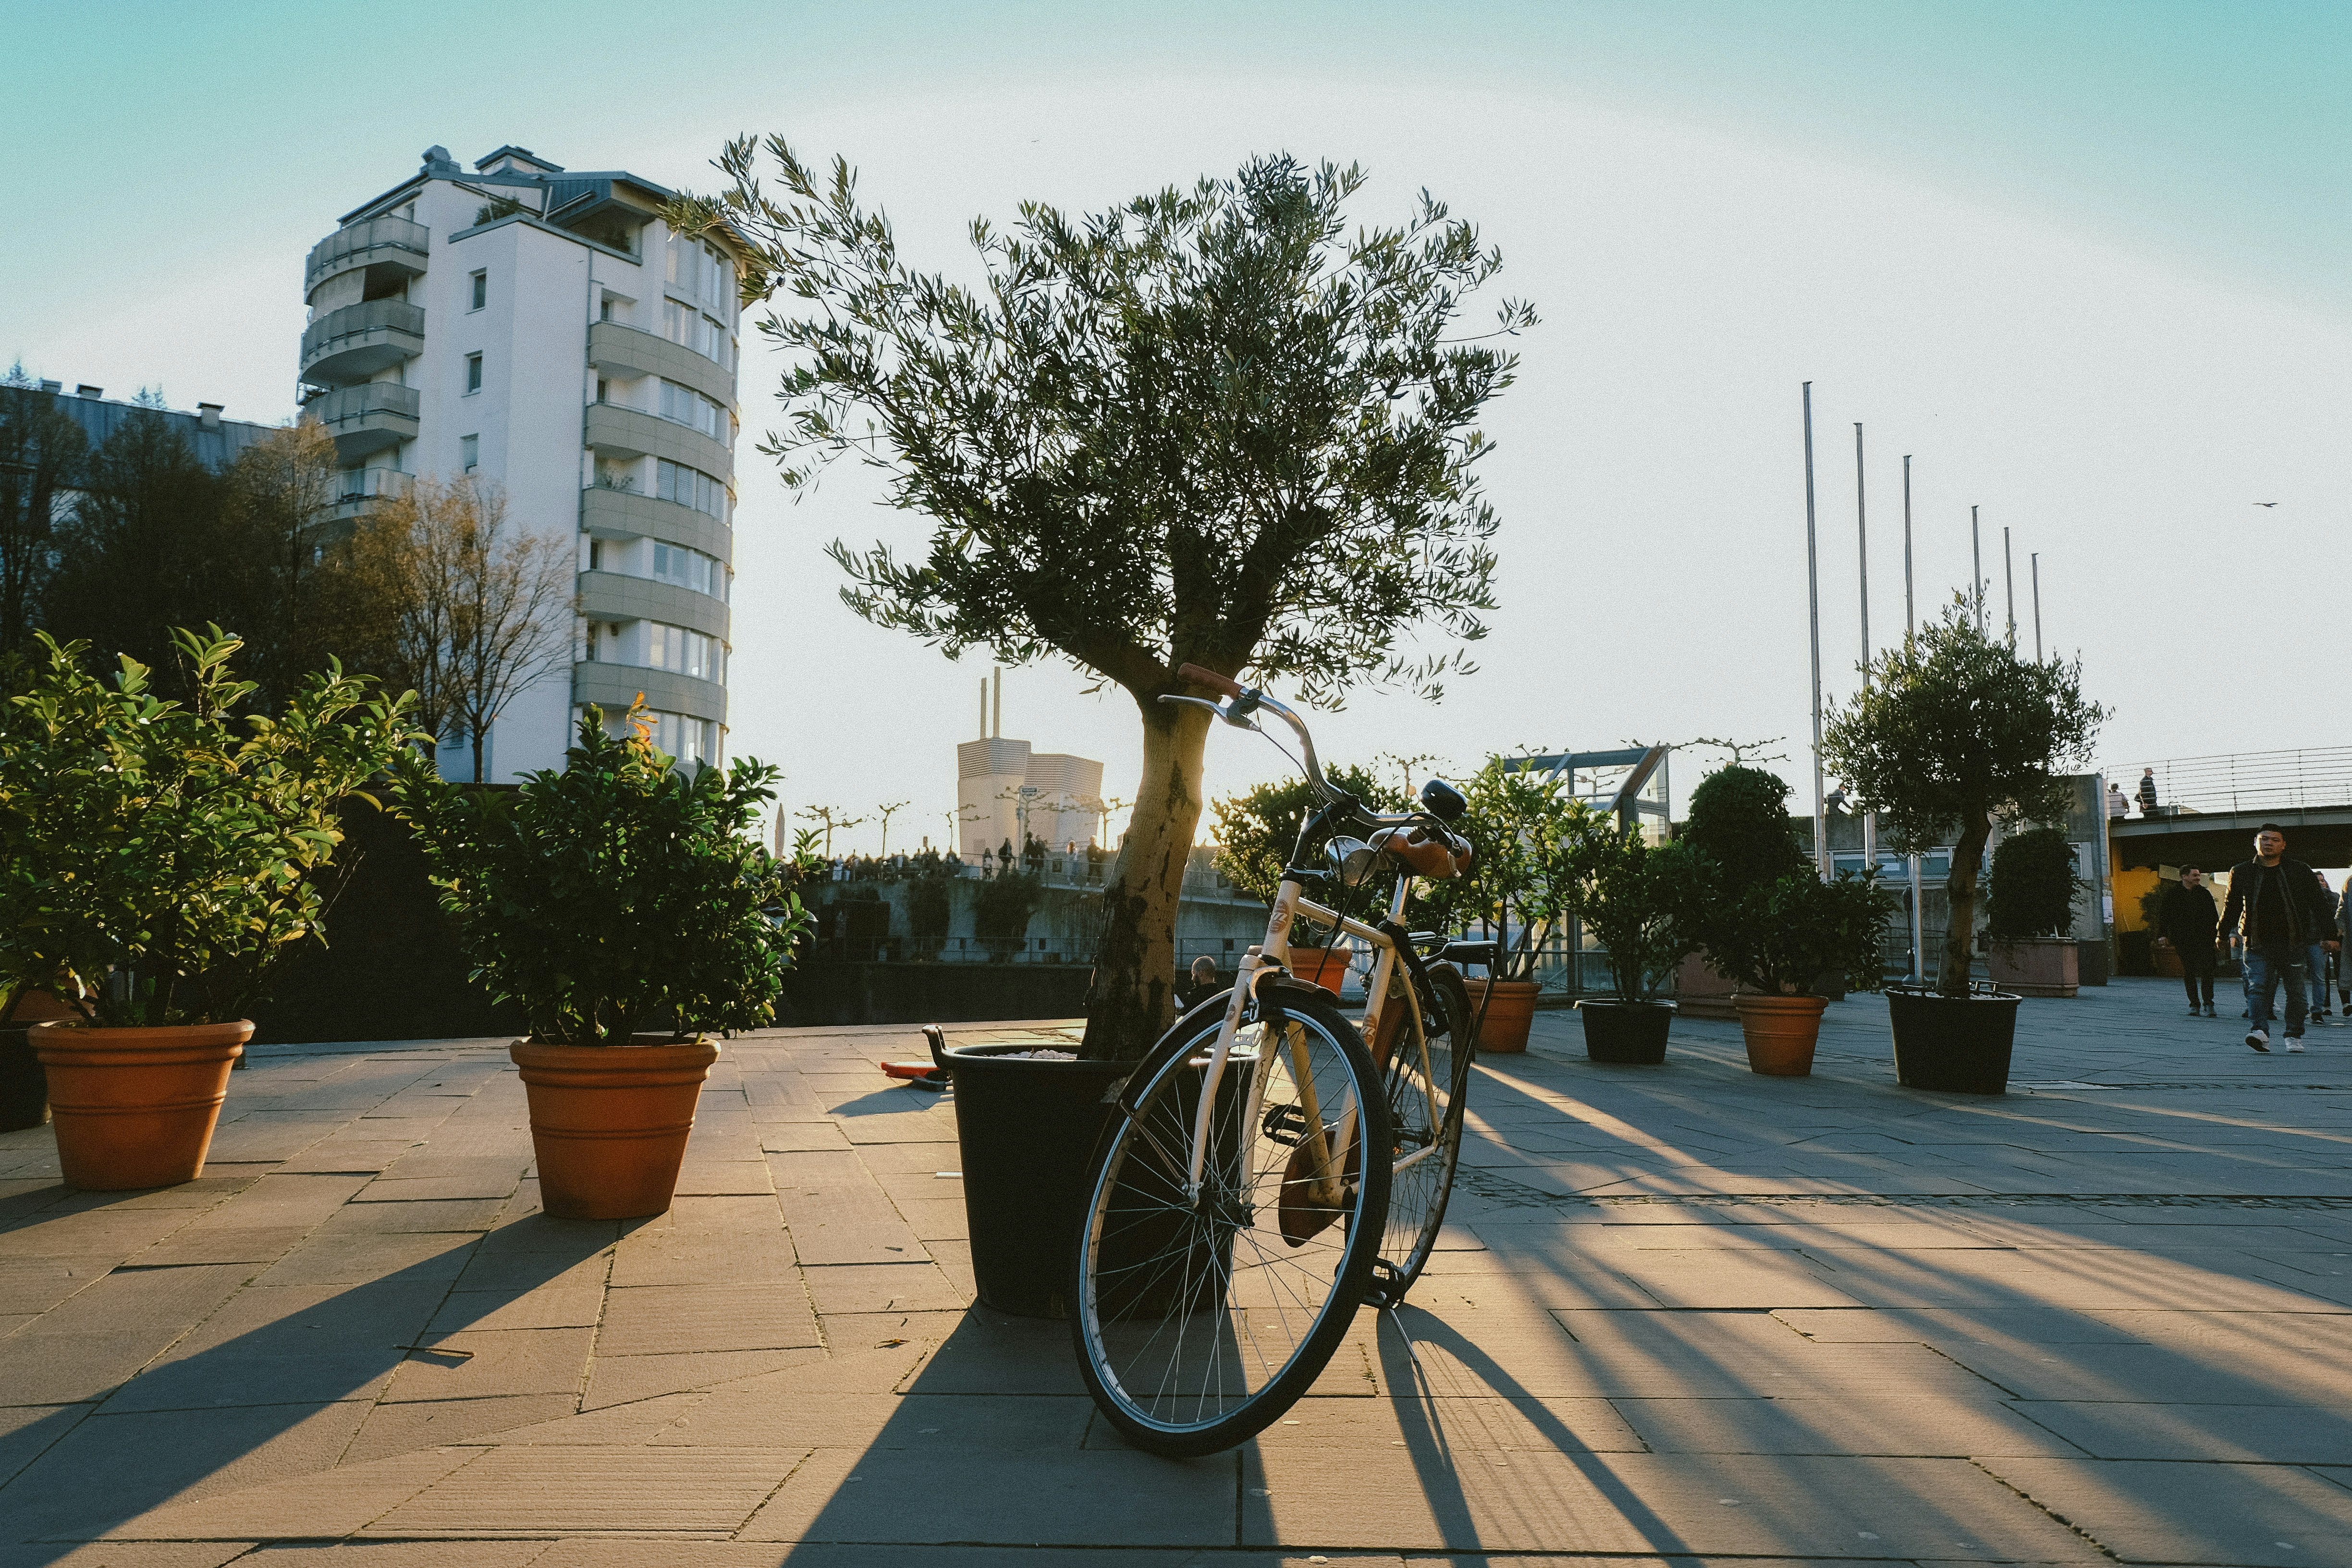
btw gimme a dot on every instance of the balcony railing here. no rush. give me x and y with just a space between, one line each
367 418
359 489
376 241
357 340
2245 780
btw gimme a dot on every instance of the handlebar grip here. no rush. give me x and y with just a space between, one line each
1210 679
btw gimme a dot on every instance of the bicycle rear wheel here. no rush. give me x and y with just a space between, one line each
1197 1323
1426 1083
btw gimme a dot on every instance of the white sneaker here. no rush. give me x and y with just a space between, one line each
2294 1047
2260 1039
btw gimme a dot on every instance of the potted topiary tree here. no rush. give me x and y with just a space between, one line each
1948 732
1739 827
628 907
157 860
1782 941
2028 912
1255 833
1639 899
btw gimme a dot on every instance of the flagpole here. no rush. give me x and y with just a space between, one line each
2009 586
1918 927
2036 559
1813 601
1862 546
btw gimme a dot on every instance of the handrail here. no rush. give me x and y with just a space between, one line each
2245 780
385 233
358 320
369 397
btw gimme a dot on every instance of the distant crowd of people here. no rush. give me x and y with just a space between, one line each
2286 926
2120 806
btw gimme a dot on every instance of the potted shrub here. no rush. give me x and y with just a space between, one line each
626 905
1948 732
2030 914
1000 911
157 859
1782 942
1521 823
1256 832
1638 900
1740 829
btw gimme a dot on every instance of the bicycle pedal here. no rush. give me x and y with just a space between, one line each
1285 1125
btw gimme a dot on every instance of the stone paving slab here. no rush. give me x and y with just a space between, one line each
1679 1315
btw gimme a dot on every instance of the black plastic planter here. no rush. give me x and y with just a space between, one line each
1028 1131
1958 1044
1629 1034
24 1086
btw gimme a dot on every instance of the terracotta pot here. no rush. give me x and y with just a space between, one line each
609 1123
1509 1016
1781 1032
1703 991
1324 967
136 1108
2039 966
24 1087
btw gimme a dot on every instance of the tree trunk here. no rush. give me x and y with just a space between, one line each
1132 998
1960 889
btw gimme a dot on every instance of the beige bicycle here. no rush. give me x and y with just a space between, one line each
1272 1165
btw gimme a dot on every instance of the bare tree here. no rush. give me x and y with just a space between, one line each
887 810
41 457
279 492
467 611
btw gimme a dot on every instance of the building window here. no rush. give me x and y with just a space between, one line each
685 652
603 390
595 555
604 310
481 289
469 451
688 569
473 372
684 406
691 486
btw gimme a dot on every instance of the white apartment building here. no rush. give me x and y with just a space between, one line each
542 330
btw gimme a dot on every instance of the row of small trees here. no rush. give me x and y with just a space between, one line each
117 545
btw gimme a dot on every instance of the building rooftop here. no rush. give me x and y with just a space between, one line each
217 440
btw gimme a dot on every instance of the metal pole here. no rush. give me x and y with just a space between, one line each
1976 566
2009 587
1862 546
1813 600
1907 625
2036 560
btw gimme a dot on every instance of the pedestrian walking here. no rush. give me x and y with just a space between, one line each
2147 792
2275 904
2116 804
2315 955
2190 921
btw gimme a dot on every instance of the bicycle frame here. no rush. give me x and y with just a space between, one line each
1270 958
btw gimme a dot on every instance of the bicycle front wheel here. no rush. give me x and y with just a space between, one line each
1200 1318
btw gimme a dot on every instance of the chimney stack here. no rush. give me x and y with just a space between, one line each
86 390
208 415
53 386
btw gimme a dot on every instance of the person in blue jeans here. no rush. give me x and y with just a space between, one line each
2315 955
2275 904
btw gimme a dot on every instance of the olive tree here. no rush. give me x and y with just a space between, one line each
1949 730
1213 426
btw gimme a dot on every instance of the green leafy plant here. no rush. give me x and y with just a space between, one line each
1258 829
1520 823
158 859
620 895
1001 913
1739 829
1953 728
1637 898
1784 939
930 906
2033 886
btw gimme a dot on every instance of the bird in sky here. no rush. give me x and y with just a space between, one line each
2266 503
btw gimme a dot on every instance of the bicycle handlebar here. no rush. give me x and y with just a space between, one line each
1212 679
1241 701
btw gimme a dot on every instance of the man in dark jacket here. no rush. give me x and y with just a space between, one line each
2190 921
2278 901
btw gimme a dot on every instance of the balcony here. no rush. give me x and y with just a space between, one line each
613 687
389 247
633 433
366 418
630 352
362 488
357 340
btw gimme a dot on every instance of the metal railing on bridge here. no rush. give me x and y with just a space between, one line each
2246 781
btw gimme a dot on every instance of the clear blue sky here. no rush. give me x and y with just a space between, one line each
2086 261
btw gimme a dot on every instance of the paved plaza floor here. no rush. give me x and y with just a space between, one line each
1684 1314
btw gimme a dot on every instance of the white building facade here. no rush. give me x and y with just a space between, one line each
542 333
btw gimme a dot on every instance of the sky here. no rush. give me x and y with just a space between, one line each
2081 263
